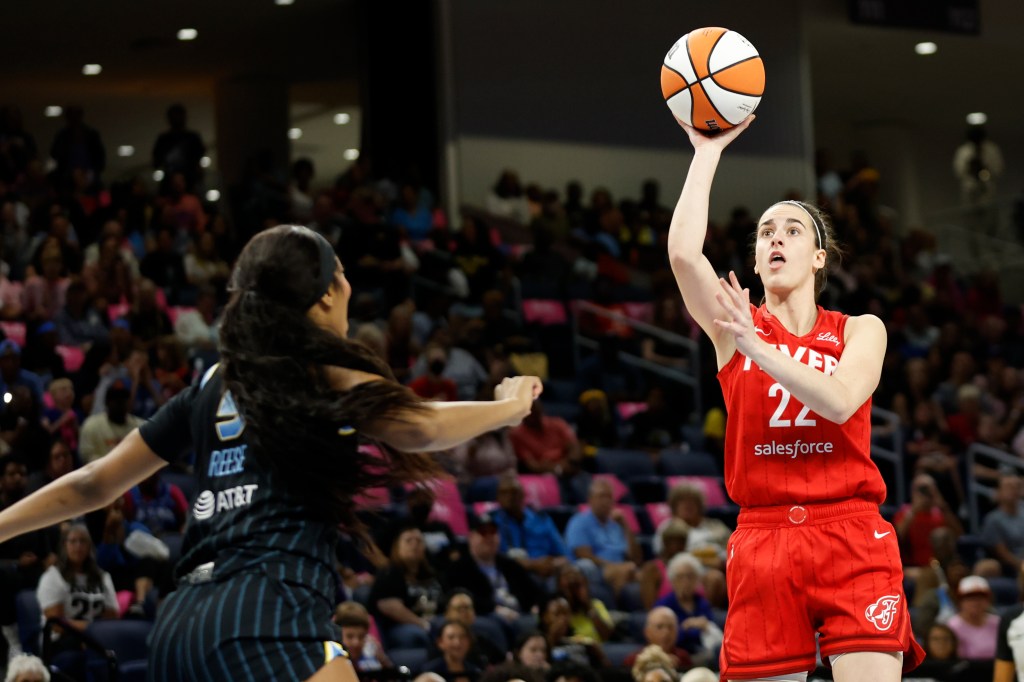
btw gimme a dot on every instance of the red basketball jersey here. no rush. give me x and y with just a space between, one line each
777 451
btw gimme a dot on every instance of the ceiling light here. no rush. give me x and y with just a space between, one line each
187 34
351 154
342 118
294 133
158 175
205 162
282 3
976 119
53 111
212 195
125 150
91 69
926 48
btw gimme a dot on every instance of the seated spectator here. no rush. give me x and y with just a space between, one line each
490 454
437 535
698 633
26 668
500 586
486 649
164 266
596 426
590 617
107 281
205 267
434 385
22 431
601 542
564 645
668 315
172 371
461 367
147 318
181 210
975 626
76 588
531 650
44 293
662 630
363 649
63 420
101 432
546 445
915 521
1003 530
941 644
506 198
12 374
654 582
59 463
78 323
198 329
41 356
411 214
453 665
529 537
707 538
161 507
405 594
657 426
653 665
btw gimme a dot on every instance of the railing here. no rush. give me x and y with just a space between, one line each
690 379
891 453
976 489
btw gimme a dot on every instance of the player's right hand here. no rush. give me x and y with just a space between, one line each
702 140
522 389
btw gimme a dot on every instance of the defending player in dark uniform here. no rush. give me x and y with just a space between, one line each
275 430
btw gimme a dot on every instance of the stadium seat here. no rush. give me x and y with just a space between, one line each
561 391
694 437
541 490
629 598
658 513
187 482
412 658
647 489
173 542
570 412
127 639
624 463
714 494
1005 591
677 462
482 489
480 508
971 548
618 652
619 490
448 506
560 514
30 619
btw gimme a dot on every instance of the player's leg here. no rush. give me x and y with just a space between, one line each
868 666
338 670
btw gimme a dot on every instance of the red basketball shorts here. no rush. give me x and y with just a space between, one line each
795 571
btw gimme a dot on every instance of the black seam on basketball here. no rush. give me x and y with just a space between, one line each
735 92
688 84
693 66
713 46
729 66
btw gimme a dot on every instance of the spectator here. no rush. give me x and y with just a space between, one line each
454 642
698 632
653 665
527 536
164 266
596 426
461 367
656 427
915 522
11 373
59 463
363 649
101 432
654 582
44 293
1002 530
182 211
501 588
178 149
411 214
661 629
76 588
506 199
77 146
491 454
545 444
487 648
668 315
198 329
78 322
40 355
434 385
707 538
172 369
478 258
437 535
26 668
160 507
299 195
405 594
977 163
602 543
564 645
941 643
975 626
147 317
21 428
109 279
531 650
204 266
590 617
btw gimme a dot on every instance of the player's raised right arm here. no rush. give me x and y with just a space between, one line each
695 277
95 485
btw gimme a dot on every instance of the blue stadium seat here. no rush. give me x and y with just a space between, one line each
560 515
127 639
676 462
647 489
694 436
30 620
624 463
629 598
1005 591
482 489
413 659
617 652
971 548
561 391
570 412
173 542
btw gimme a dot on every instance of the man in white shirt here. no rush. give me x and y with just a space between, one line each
101 432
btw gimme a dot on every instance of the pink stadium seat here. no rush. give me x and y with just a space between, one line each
484 507
15 331
658 512
448 507
627 410
627 511
73 357
116 310
544 311
642 311
712 487
541 490
374 498
619 489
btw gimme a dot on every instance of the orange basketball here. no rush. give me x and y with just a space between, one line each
712 78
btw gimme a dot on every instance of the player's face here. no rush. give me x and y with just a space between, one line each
786 253
342 294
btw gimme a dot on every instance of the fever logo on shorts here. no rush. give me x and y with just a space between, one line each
882 614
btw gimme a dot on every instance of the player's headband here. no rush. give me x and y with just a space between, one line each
817 230
326 276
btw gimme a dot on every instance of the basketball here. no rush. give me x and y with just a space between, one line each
712 78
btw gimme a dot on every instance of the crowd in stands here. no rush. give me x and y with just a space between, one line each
593 534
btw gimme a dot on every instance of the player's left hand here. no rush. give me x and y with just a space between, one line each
735 300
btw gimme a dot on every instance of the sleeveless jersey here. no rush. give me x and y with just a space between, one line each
243 516
779 452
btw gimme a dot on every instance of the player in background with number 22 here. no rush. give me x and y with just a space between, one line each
811 553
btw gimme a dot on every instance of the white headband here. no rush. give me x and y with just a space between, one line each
821 242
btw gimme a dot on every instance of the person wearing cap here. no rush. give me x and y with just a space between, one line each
530 537
276 430
102 432
976 627
12 374
501 588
